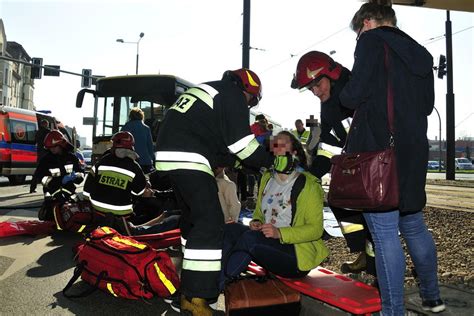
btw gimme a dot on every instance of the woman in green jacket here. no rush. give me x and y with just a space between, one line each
285 233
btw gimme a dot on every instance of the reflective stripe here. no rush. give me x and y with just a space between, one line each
56 220
369 249
328 150
68 168
81 229
174 160
86 194
109 287
167 166
201 254
114 209
348 228
139 193
129 242
65 190
118 170
241 144
106 229
45 180
167 283
201 95
249 150
55 172
195 265
210 90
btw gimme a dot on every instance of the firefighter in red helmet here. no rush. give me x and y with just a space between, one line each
206 122
59 171
325 78
114 182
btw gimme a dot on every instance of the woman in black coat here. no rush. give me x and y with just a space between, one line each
383 51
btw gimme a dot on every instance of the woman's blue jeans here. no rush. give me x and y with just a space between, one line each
390 258
242 245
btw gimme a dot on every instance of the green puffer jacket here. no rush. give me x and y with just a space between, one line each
307 228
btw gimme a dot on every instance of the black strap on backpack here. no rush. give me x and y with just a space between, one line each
295 192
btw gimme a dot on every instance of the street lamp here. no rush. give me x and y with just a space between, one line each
138 45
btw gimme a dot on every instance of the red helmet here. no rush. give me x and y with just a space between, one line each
123 140
56 138
248 81
314 66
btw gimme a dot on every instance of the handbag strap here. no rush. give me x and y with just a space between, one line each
390 110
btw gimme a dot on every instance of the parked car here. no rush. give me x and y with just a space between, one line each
463 164
87 157
433 165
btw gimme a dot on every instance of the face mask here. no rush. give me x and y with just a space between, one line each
285 164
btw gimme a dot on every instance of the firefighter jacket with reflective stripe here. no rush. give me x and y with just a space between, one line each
51 170
112 184
208 121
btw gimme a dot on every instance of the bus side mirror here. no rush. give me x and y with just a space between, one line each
80 96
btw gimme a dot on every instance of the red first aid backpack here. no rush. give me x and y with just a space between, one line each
74 216
123 267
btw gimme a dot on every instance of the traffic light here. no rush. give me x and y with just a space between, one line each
442 66
36 71
86 79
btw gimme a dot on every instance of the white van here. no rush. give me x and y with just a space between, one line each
463 164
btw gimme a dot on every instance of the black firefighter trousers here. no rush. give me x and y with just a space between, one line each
202 227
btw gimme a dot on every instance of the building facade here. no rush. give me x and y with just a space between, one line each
16 86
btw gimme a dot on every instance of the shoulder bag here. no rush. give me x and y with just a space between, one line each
367 180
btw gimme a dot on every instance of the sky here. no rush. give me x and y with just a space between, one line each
199 40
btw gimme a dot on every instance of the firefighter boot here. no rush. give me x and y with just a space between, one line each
197 306
356 266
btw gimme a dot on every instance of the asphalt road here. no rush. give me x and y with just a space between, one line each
34 270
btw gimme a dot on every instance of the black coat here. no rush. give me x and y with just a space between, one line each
410 70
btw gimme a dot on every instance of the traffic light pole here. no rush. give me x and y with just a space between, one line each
450 129
44 67
246 36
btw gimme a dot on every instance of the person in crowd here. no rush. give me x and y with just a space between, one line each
389 63
59 172
143 139
43 130
301 132
228 198
285 234
260 128
325 78
206 121
60 126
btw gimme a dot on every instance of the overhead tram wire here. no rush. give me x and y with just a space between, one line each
306 49
440 37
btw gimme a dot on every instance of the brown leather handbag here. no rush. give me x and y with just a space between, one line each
367 180
253 292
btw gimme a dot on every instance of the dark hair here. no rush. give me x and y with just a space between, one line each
379 10
260 117
300 152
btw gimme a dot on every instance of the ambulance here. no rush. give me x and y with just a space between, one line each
18 128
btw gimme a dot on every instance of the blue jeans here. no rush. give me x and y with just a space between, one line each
242 245
390 259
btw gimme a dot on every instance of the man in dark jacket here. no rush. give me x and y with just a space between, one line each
390 65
